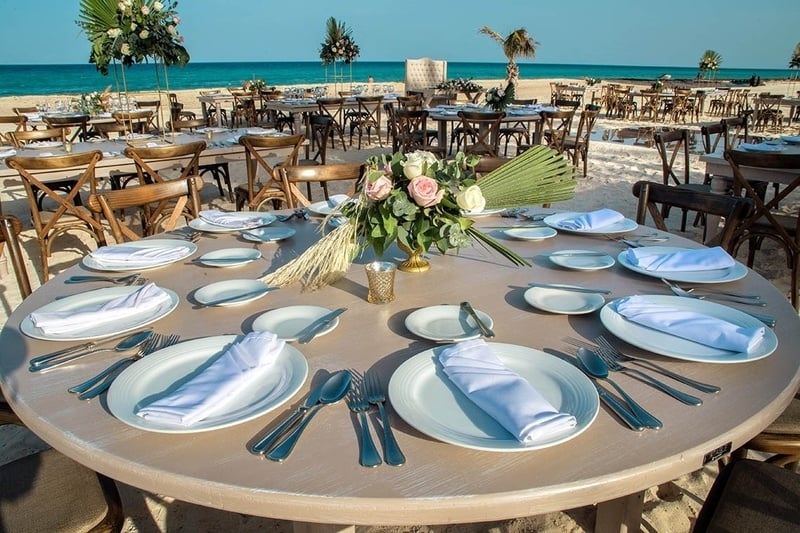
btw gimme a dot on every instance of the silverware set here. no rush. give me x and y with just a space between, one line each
367 391
130 279
73 353
597 360
728 296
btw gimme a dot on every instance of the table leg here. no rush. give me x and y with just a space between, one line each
308 527
623 515
443 135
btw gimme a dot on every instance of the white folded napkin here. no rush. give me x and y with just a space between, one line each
501 393
337 199
8 152
120 255
690 325
680 260
142 301
232 220
592 220
212 390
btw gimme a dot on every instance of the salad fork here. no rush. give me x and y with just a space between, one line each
618 356
358 403
375 395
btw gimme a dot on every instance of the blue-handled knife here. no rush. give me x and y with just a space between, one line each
308 334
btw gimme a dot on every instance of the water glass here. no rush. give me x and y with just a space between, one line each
380 277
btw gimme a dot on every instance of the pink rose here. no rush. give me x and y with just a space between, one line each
379 189
425 191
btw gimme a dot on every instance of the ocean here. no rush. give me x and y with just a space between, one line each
23 80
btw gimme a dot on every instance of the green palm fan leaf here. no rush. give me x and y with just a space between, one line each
537 176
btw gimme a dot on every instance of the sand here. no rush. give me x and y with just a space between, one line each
613 168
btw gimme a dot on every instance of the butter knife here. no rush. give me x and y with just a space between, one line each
573 288
485 331
308 334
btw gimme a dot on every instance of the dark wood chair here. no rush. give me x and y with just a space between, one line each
366 118
556 126
577 146
292 176
653 197
334 108
766 222
411 132
162 203
66 216
316 151
481 132
520 131
219 171
75 126
256 194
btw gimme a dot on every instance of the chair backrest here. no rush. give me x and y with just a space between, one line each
319 127
442 99
556 126
21 138
155 107
712 134
77 125
487 164
425 73
567 104
292 175
166 203
10 228
255 160
190 124
586 124
669 156
134 121
15 123
736 133
414 101
150 161
105 129
334 108
410 130
653 197
482 131
369 110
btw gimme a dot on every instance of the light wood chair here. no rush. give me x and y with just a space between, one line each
152 162
255 194
67 216
162 204
154 106
653 197
17 122
291 176
75 127
10 228
134 121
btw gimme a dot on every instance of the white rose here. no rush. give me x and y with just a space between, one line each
414 164
171 30
125 49
158 6
471 199
114 33
144 34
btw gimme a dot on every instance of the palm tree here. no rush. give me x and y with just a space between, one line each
710 62
517 44
794 62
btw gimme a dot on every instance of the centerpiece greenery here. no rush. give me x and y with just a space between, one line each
709 63
464 85
419 202
339 44
498 98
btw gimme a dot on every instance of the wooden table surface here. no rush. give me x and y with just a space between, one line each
322 483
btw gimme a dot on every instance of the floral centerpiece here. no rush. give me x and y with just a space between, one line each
592 81
499 98
419 202
709 63
131 31
464 85
255 85
91 103
339 44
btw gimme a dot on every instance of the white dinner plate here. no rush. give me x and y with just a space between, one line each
41 145
424 397
717 275
81 300
623 226
483 213
90 262
672 346
201 225
445 323
7 152
271 234
581 260
231 292
213 130
288 322
563 302
530 234
321 208
761 147
229 257
169 367
138 136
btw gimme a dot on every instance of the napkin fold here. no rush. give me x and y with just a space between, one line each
337 199
680 260
231 220
122 255
690 325
142 301
592 220
508 398
212 390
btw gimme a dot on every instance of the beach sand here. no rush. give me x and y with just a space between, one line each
613 168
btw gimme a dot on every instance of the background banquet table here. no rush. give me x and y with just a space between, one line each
321 483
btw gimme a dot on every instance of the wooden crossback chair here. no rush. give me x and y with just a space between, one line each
291 176
10 228
481 132
766 221
577 146
75 127
367 118
149 161
220 171
319 127
19 123
167 202
255 194
67 216
654 196
410 130
556 125
134 121
334 108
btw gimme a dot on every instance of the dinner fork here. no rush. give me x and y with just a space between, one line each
375 395
357 401
615 366
678 291
618 356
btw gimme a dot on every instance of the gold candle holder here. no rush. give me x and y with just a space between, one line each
380 277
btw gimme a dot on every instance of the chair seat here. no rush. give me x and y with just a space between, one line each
789 421
67 219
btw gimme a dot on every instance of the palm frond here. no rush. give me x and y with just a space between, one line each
537 176
493 34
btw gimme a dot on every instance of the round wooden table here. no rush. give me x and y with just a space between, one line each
322 482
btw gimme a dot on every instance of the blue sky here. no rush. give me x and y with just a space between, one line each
617 32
